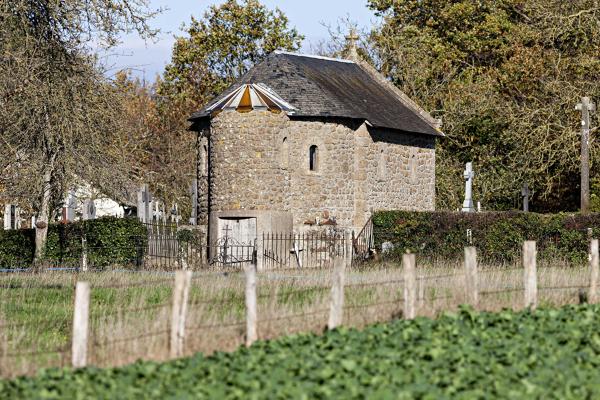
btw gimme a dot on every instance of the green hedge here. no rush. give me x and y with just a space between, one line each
497 236
110 240
16 248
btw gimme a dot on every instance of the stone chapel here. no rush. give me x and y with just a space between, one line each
304 143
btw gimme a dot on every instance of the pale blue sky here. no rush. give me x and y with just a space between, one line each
149 59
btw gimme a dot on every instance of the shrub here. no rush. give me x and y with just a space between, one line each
16 248
110 240
497 236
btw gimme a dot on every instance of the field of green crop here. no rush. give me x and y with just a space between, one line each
550 353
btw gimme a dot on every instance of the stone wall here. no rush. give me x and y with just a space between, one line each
407 179
243 168
260 161
326 194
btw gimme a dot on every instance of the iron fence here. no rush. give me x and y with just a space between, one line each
363 244
307 250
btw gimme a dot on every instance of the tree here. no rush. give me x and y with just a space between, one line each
158 145
58 114
504 76
222 46
216 50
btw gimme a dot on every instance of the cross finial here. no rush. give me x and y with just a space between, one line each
351 40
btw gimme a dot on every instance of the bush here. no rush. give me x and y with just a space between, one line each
109 240
16 248
497 236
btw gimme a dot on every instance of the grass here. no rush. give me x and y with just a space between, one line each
130 312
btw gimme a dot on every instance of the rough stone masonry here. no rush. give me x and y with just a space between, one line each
260 161
305 142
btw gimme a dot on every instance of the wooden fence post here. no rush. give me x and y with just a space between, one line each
530 274
336 304
181 292
421 294
81 316
594 271
410 286
349 247
471 281
182 254
251 317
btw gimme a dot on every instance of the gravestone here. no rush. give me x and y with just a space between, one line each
144 205
468 175
69 208
525 194
175 217
11 217
89 210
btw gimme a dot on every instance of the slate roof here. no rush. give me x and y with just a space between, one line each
325 87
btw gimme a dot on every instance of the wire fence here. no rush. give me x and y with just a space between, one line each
140 317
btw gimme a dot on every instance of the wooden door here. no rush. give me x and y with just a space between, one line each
238 230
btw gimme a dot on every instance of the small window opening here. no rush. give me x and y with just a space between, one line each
313 158
382 166
284 153
413 165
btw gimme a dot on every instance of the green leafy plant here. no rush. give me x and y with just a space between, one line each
497 236
549 353
109 241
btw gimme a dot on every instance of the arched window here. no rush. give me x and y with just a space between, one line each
313 158
285 151
382 165
413 164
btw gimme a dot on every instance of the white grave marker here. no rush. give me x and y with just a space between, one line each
144 205
468 175
89 209
69 208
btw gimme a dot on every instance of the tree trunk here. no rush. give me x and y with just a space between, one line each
41 226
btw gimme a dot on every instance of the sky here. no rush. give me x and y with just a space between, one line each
307 16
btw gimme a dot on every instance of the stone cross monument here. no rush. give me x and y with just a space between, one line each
11 217
144 205
586 106
468 175
525 194
69 208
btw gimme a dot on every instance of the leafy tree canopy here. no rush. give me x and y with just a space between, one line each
505 76
59 116
222 46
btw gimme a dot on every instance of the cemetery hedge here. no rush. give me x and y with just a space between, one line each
110 240
498 236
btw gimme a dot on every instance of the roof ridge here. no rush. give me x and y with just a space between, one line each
289 53
400 95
